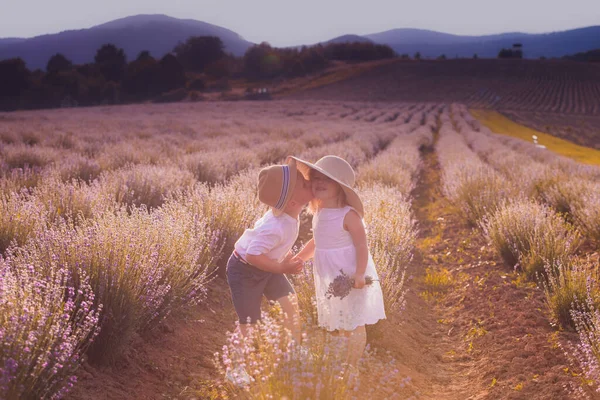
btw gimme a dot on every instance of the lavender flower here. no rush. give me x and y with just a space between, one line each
342 284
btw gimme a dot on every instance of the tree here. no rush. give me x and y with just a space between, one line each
111 61
358 51
510 53
58 63
218 69
140 79
13 77
199 51
505 53
261 61
171 74
417 56
313 60
144 56
63 84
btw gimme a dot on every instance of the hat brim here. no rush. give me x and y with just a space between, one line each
352 198
293 177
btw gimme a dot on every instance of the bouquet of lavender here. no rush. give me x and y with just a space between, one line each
342 284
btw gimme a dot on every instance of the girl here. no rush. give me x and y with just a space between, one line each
339 243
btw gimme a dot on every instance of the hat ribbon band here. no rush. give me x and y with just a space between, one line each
284 187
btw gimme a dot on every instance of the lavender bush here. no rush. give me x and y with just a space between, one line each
141 266
586 353
473 186
567 284
282 369
46 324
531 235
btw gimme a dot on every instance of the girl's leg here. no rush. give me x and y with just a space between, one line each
357 341
291 316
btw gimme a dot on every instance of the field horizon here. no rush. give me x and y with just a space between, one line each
556 97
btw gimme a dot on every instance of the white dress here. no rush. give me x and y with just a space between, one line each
334 251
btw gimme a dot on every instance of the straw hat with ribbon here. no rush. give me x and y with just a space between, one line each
276 184
339 170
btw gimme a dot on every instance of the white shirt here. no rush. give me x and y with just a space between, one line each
272 236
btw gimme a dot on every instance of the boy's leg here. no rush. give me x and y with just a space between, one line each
247 285
291 315
280 289
245 329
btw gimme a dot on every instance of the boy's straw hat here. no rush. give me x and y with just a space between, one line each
340 171
276 184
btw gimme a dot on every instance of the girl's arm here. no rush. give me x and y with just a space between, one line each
353 224
308 251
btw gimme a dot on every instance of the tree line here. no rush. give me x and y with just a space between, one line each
196 65
588 56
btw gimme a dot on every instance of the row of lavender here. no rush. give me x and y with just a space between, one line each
539 210
110 219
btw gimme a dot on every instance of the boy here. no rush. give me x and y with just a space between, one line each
263 255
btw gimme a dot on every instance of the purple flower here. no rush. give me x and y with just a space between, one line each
342 284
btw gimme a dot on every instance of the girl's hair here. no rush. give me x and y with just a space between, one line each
315 204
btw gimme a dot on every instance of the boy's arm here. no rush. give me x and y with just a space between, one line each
266 264
308 251
269 237
354 226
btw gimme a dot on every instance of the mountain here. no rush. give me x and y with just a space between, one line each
7 41
433 44
160 33
349 39
407 36
156 33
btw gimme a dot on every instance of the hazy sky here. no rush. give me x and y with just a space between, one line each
282 22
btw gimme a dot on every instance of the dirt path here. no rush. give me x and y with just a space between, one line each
176 362
484 336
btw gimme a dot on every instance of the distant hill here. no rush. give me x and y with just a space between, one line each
156 33
7 41
160 33
433 44
349 39
408 36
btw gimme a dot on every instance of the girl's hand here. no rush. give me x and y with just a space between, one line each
359 281
289 257
293 266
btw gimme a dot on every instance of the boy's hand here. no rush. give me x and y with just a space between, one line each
359 281
291 266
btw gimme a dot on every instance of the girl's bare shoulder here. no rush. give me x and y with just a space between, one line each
352 220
